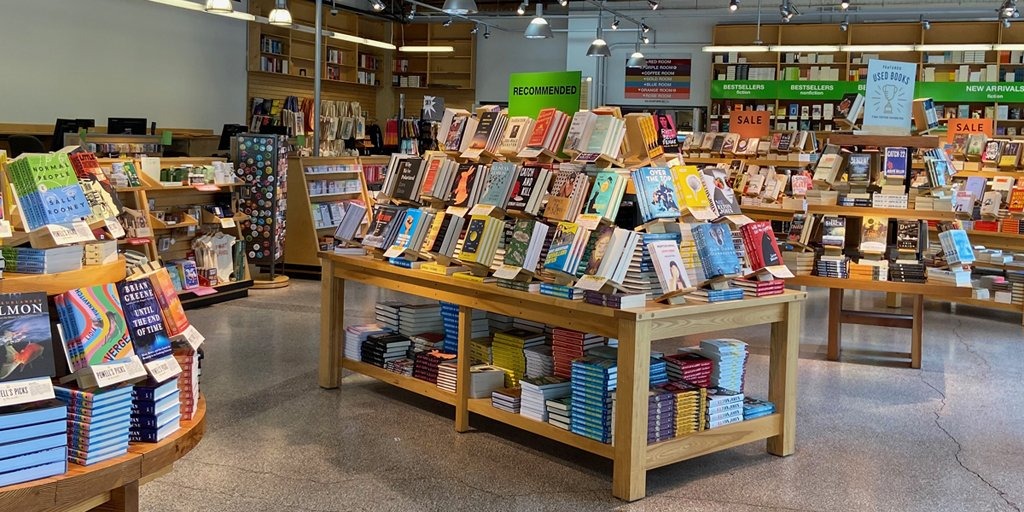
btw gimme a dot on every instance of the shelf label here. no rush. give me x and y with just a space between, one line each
108 374
114 227
744 89
507 272
192 337
24 391
814 90
227 223
5 229
163 369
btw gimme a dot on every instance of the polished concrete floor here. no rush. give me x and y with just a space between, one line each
869 436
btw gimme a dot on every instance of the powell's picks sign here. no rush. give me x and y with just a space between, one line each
530 92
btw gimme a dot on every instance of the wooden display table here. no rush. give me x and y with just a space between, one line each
111 485
635 329
837 316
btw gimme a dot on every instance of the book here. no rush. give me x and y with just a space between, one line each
95 331
27 349
895 163
762 248
499 184
580 129
606 195
716 250
566 198
849 109
384 226
833 231
656 193
858 169
517 132
530 189
47 189
465 185
874 234
144 320
566 247
956 246
668 264
541 128
925 116
526 243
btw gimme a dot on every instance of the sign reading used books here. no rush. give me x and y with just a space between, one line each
659 81
969 126
750 123
889 97
528 93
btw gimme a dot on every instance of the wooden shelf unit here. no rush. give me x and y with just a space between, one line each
54 284
451 76
906 33
635 329
303 242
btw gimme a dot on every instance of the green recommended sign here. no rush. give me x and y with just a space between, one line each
963 92
528 93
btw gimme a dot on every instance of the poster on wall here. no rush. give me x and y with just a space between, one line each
889 97
662 80
530 92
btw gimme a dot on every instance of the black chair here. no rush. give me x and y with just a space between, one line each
25 144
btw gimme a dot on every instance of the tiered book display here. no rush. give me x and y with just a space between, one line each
90 404
522 245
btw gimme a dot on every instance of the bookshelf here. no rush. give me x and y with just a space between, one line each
630 453
778 81
448 75
304 231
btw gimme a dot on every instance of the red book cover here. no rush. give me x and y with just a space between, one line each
762 247
540 129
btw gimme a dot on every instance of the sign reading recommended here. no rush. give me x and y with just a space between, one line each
530 92
889 97
969 126
660 79
750 123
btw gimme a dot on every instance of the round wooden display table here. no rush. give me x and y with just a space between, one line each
111 485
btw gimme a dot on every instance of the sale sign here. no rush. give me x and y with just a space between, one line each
969 126
750 123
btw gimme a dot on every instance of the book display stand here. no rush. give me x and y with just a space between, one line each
263 166
635 329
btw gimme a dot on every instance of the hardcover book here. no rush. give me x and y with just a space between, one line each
833 232
908 235
716 250
858 168
874 234
407 187
524 186
145 323
499 184
895 164
762 248
668 264
656 193
47 189
26 348
94 326
606 195
601 237
545 118
465 182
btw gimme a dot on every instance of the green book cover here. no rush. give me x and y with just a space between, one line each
602 194
515 254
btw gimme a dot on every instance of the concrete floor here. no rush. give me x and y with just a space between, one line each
869 437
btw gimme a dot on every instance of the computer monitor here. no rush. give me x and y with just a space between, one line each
273 130
227 133
59 129
126 125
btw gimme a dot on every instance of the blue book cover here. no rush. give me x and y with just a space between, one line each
99 412
560 253
32 445
31 414
47 469
167 402
658 191
150 392
147 435
30 431
78 428
33 459
97 441
895 165
85 459
144 319
716 250
499 184
411 223
99 396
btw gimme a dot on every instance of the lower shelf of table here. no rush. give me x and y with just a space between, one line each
987 303
658 454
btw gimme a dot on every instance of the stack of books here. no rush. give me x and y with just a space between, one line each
661 415
508 349
450 321
355 335
756 288
485 379
99 423
723 407
955 277
34 441
188 380
426 341
481 350
558 412
378 349
47 189
507 399
756 408
539 361
427 363
594 380
833 267
156 411
561 291
641 278
387 314
690 367
447 375
568 345
419 318
799 263
26 260
868 270
690 407
711 295
403 366
659 371
497 322
537 391
730 362
480 243
1016 280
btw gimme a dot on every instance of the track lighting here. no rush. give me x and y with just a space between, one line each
845 25
653 4
563 3
646 39
459 6
487 33
644 28
926 25
734 5
476 28
844 4
377 5
521 10
280 15
1006 22
615 24
447 22
538 27
1007 10
411 15
787 11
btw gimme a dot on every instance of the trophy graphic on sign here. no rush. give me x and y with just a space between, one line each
889 91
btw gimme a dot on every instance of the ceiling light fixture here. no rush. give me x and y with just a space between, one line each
636 60
377 5
563 3
219 6
845 25
599 48
646 39
521 10
280 15
459 6
426 49
1006 22
644 28
734 5
787 11
538 27
487 32
926 25
476 28
352 39
615 23
447 22
844 4
412 13
1007 10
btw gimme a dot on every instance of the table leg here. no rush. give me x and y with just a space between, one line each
122 499
332 326
893 300
835 313
462 372
916 331
629 476
782 373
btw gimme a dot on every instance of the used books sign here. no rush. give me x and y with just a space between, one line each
530 92
889 97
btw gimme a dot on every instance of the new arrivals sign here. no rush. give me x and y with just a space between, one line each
528 93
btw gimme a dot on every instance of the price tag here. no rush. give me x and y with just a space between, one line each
394 251
114 227
24 391
507 272
192 336
530 152
119 371
208 188
144 232
227 223
484 209
5 229
83 231
591 221
592 283
163 369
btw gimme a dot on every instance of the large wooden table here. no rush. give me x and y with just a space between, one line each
635 329
837 315
108 486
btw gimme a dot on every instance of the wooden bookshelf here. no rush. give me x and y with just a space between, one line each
892 213
451 76
635 329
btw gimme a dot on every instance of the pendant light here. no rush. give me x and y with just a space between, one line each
459 6
539 27
219 6
636 60
599 48
280 15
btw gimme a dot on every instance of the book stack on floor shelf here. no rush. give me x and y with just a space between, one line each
508 349
661 415
156 411
99 423
568 345
559 412
33 441
536 391
594 379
